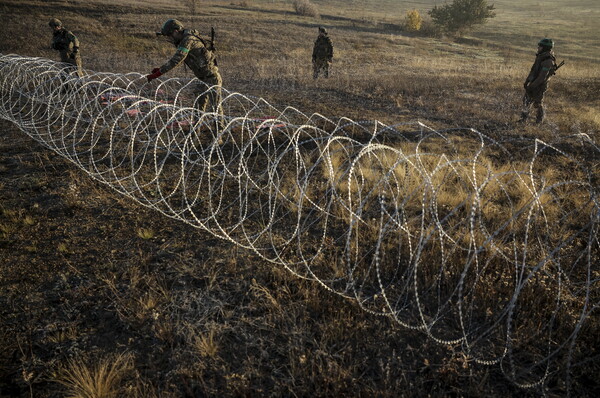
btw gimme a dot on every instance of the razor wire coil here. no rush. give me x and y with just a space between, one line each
465 238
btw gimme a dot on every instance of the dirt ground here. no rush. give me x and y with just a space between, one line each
89 278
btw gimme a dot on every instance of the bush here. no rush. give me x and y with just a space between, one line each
461 15
306 8
413 21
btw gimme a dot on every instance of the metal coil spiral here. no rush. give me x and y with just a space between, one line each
475 242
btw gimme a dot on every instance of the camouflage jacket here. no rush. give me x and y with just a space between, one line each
65 42
542 70
323 48
194 51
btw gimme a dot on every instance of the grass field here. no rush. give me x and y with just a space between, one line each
101 297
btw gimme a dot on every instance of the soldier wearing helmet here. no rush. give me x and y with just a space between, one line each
322 55
198 54
536 83
67 44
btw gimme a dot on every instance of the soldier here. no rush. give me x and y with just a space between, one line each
198 55
67 44
322 53
536 83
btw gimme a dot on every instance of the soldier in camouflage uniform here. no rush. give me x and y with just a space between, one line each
322 53
536 83
198 55
67 44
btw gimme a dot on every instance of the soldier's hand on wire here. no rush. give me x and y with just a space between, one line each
155 74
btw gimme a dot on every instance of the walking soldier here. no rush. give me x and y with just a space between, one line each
67 44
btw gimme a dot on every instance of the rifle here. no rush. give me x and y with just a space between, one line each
212 44
212 39
557 67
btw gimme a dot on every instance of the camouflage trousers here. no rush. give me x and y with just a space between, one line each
320 65
208 94
534 97
208 97
75 62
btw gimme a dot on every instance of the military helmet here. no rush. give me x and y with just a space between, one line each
322 30
54 22
170 26
547 43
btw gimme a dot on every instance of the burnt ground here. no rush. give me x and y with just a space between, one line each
78 281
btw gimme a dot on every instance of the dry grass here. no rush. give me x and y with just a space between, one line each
102 379
86 274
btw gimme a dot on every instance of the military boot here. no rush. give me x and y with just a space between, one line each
540 115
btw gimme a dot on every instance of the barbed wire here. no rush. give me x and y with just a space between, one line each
488 246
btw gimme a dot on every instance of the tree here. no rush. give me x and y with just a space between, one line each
461 16
413 21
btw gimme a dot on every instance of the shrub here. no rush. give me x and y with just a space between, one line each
306 8
413 21
460 16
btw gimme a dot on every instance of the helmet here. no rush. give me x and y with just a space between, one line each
322 30
547 43
54 22
170 26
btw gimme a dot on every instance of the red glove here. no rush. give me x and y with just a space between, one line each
155 73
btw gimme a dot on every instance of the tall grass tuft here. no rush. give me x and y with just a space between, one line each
102 380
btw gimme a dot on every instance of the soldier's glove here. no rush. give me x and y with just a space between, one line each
155 74
525 85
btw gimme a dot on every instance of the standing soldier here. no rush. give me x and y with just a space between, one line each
67 44
536 83
322 53
198 55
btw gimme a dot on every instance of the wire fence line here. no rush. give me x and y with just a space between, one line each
488 246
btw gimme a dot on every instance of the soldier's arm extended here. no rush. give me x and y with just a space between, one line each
545 69
182 52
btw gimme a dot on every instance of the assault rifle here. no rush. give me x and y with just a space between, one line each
212 44
212 39
557 67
